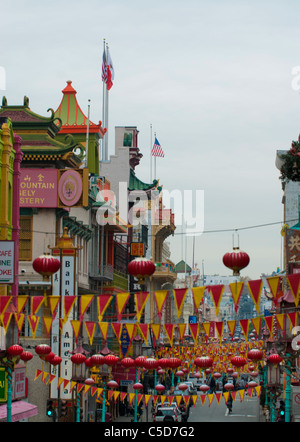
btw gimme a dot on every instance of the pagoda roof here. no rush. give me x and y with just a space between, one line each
73 118
136 184
38 135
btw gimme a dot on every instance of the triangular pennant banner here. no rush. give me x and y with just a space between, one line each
269 324
181 329
294 283
36 302
104 329
160 297
274 285
117 328
68 304
4 303
21 302
90 329
140 299
244 323
280 320
76 325
5 319
255 288
33 322
194 328
85 302
216 294
156 330
103 302
231 325
179 297
198 293
121 301
144 328
53 301
219 327
47 320
19 318
131 328
256 324
236 289
169 329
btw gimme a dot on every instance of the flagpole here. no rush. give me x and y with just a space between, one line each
150 153
155 160
106 113
103 107
87 135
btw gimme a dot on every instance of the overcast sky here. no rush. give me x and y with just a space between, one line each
214 78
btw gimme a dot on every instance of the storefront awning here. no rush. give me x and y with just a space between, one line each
20 410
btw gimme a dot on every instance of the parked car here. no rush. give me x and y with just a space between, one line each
167 413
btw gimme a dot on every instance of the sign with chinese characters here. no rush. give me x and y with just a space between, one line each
7 250
38 188
19 382
3 385
137 249
292 238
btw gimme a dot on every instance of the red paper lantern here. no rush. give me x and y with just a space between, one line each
197 375
179 373
204 362
112 384
46 265
78 358
42 350
163 362
97 360
252 384
127 362
56 360
88 363
274 359
255 354
182 387
111 360
229 386
139 361
89 381
140 268
15 350
236 260
204 388
137 386
26 356
174 363
49 356
217 375
159 387
238 361
151 363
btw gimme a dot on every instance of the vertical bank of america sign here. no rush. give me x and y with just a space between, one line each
50 188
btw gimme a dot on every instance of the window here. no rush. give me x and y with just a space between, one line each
25 241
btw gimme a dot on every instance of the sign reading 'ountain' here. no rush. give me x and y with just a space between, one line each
38 188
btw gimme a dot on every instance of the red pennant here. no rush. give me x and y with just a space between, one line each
216 294
4 301
255 288
294 282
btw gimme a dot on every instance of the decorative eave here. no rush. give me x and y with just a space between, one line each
136 184
72 117
22 117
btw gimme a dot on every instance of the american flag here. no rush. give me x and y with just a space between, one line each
157 150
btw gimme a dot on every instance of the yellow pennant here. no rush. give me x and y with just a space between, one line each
198 293
121 301
236 289
160 297
85 302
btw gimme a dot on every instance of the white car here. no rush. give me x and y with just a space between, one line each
167 414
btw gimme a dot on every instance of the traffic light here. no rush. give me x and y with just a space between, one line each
63 408
282 411
50 408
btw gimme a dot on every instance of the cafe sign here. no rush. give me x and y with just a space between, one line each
7 252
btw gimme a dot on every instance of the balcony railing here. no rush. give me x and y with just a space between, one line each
106 273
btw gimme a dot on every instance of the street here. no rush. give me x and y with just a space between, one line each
246 411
